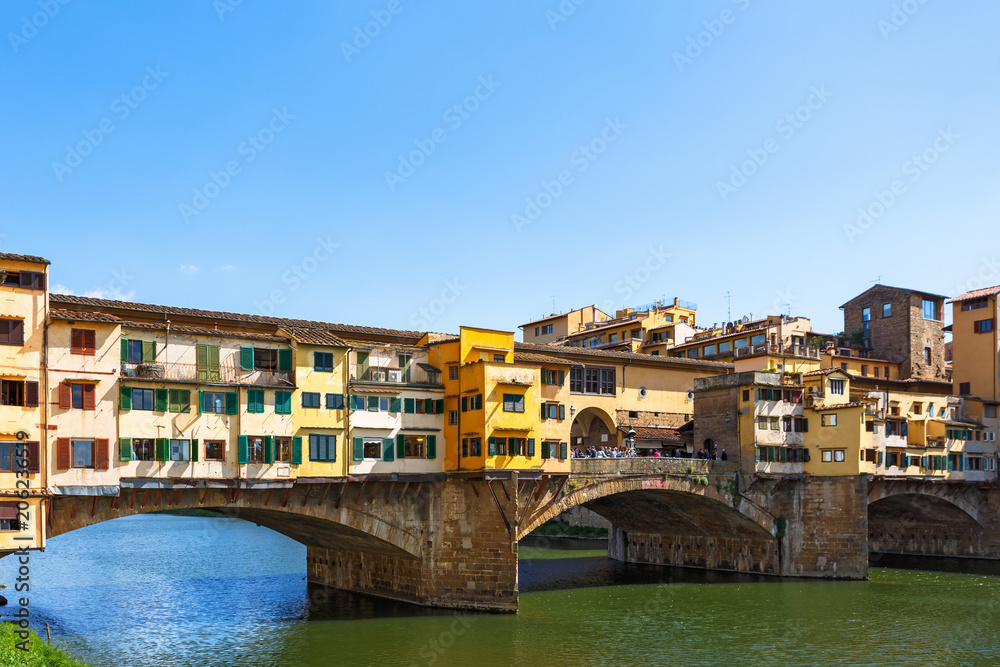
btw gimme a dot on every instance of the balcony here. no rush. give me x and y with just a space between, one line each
777 348
416 374
226 373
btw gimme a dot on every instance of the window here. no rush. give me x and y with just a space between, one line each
974 304
636 334
759 339
282 402
383 404
405 362
930 309
547 329
213 402
990 411
138 351
83 341
452 417
709 350
334 401
180 450
694 353
917 408
740 344
310 399
576 380
413 446
12 392
864 370
419 405
179 400
829 420
322 447
513 402
538 331
143 449
866 314
472 402
142 399
827 455
12 454
282 450
838 455
373 448
875 371
11 332
265 359
207 358
768 423
837 387
613 338
886 310
9 521
983 326
725 346
453 372
215 450
964 388
255 401
77 396
843 366
886 372
472 447
323 362
83 453
927 356
255 449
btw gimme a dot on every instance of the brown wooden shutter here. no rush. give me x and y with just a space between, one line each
62 454
89 402
76 341
34 457
65 395
89 341
17 335
102 456
31 394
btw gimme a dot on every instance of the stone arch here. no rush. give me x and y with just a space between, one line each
590 424
935 500
678 497
364 527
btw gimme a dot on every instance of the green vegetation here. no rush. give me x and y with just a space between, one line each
39 654
190 512
539 553
554 528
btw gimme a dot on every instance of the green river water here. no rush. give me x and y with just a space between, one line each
163 590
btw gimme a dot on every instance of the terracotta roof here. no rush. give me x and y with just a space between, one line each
82 316
608 354
825 371
557 315
534 358
976 294
839 406
202 331
344 329
428 368
894 289
314 337
32 259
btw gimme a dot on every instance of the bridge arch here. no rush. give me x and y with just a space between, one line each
374 527
589 427
946 501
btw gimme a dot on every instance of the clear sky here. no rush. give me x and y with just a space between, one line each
474 163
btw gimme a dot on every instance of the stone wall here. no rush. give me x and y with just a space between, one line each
716 420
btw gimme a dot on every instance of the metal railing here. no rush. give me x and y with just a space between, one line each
646 465
225 373
387 375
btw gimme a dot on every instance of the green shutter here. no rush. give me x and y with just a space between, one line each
124 350
408 406
545 412
125 449
492 447
149 351
232 402
284 361
201 401
562 413
201 357
428 406
439 406
162 449
161 400
359 449
268 449
395 405
880 458
545 450
545 376
432 446
185 400
531 446
373 404
124 400
242 440
387 450
563 450
194 449
246 358
259 401
400 446
296 450
562 378
353 402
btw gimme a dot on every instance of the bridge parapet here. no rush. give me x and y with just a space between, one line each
653 466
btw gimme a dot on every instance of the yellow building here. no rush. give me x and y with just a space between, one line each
975 344
630 329
557 326
23 421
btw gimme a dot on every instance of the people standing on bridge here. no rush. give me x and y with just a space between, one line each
724 457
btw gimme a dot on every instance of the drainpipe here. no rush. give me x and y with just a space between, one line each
43 444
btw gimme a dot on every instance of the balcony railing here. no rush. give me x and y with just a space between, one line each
777 348
222 374
386 375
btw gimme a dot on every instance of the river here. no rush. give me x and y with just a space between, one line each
158 590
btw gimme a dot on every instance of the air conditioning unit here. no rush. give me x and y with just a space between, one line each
376 375
395 376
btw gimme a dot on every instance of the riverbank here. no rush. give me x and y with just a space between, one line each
555 528
39 654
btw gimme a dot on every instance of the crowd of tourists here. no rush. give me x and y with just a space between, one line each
622 452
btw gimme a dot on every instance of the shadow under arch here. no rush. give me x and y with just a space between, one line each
589 424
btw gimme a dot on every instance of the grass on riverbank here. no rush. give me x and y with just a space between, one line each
555 528
39 654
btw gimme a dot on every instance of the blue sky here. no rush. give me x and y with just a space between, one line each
471 163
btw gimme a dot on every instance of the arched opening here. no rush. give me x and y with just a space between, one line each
921 525
592 428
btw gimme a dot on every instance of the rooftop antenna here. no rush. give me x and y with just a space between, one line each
553 304
877 281
728 296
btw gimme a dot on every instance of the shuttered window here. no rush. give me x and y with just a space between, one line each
334 401
310 399
513 402
255 401
11 332
82 341
323 362
283 402
207 358
322 447
179 400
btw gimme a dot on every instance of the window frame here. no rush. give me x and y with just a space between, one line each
210 444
